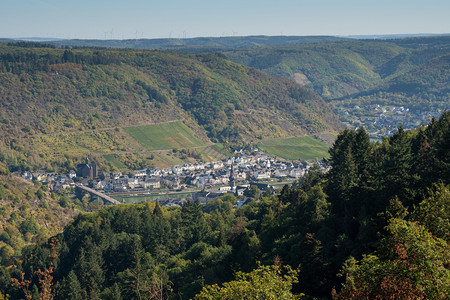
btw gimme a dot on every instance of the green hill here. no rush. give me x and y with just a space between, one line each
422 86
58 105
334 67
340 69
331 69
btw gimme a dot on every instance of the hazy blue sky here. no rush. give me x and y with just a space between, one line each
97 19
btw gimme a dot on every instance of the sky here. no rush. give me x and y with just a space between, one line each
130 19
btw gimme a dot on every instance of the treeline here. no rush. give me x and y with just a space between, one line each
32 62
377 222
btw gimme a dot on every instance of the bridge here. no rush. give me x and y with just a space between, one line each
98 194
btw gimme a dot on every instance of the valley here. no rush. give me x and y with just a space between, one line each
179 168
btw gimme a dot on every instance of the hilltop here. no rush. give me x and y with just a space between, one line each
59 104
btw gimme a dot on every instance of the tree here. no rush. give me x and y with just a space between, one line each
411 264
7 253
71 288
253 192
434 212
28 225
265 282
397 176
193 223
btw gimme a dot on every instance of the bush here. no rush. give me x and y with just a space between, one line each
7 253
40 194
4 237
29 225
64 201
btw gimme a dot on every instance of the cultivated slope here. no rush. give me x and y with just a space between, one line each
45 92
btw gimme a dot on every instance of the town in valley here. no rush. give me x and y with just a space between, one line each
174 186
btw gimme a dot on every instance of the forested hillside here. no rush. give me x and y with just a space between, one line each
46 92
341 69
375 226
334 67
425 85
29 214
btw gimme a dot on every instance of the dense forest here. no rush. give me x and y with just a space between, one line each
409 71
45 91
376 226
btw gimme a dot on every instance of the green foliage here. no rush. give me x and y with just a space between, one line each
64 201
253 192
25 218
28 225
7 253
411 264
40 194
434 212
354 210
265 282
361 70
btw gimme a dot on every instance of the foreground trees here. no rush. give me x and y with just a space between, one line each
380 218
265 282
410 264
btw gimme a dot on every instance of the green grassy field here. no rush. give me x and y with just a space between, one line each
164 136
296 148
221 149
112 158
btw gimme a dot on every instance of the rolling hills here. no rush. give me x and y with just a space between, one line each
335 67
60 104
342 69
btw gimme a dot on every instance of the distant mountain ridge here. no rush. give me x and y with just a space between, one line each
394 36
221 42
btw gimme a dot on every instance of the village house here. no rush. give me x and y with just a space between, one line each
71 174
171 181
151 183
27 176
261 174
140 173
297 173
